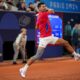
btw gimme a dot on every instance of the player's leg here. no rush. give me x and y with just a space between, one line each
39 53
65 44
68 47
16 52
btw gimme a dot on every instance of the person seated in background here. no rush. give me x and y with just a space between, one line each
10 2
22 6
11 6
3 5
31 7
20 45
36 4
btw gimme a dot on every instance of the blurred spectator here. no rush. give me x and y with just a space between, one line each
67 32
18 4
74 36
22 6
10 2
31 7
79 32
3 5
11 7
36 4
78 46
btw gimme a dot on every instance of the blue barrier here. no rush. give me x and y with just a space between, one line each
53 51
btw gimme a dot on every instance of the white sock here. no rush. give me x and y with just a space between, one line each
26 67
74 53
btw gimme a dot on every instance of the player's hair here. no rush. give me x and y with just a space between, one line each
22 29
39 5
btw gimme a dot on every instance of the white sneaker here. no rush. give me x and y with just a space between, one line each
77 56
22 72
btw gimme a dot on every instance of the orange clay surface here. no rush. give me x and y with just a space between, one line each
63 68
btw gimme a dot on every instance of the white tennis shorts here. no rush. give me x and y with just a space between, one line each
43 42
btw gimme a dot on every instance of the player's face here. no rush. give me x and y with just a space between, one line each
0 0
43 8
24 32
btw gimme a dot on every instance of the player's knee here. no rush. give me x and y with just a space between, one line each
37 56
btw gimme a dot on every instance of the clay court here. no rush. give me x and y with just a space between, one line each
63 68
